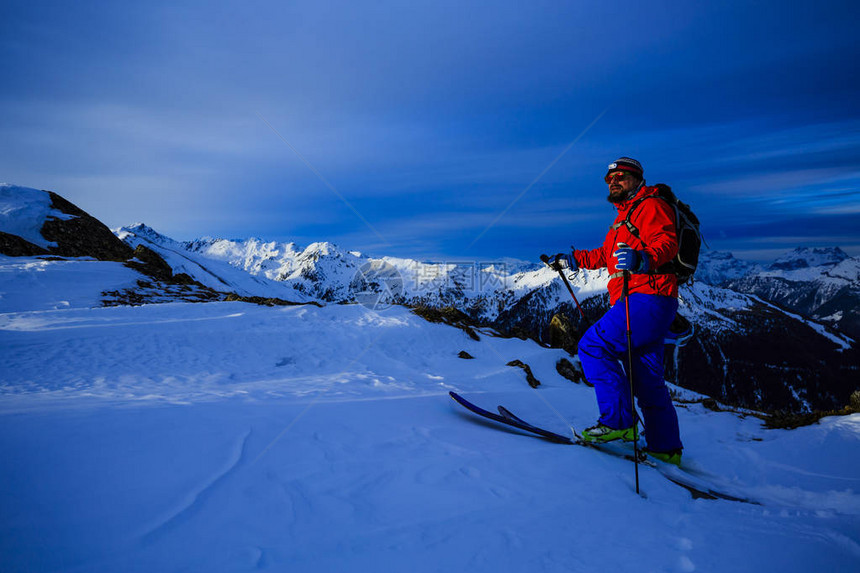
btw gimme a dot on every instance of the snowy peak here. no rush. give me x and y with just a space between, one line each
849 270
326 272
805 257
145 232
210 262
821 283
801 264
34 222
512 297
321 271
717 267
24 211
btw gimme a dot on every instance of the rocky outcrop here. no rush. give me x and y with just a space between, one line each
82 235
150 263
530 377
69 231
562 333
15 246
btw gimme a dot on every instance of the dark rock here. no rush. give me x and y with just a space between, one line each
562 333
567 370
82 235
263 301
15 246
711 405
465 355
790 420
448 315
533 382
150 263
154 292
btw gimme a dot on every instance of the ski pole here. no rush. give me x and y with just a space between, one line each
545 259
625 292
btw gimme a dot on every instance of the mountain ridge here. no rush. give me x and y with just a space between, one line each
737 356
790 375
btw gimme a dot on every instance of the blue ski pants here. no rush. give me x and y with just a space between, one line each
603 353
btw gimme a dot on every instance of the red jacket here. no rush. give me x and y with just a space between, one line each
655 220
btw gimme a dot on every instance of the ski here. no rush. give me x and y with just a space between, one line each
515 422
578 441
697 488
676 475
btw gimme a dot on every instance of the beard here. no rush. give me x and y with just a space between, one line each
622 195
616 198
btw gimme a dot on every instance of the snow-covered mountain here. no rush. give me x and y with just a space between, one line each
748 351
327 273
736 356
809 258
718 267
214 272
823 284
226 436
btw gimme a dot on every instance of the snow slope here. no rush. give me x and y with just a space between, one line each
23 211
31 283
214 273
232 437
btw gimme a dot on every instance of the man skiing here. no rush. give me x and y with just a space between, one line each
641 249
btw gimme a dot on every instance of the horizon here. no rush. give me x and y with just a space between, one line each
430 131
769 258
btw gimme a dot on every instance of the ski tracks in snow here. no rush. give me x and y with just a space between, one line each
195 499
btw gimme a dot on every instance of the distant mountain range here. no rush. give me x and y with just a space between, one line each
775 336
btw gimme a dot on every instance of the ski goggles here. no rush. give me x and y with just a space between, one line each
617 176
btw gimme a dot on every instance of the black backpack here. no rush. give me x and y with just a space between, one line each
687 228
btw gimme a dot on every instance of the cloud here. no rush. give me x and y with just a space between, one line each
428 117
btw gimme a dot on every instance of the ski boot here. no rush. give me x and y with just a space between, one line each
670 457
601 433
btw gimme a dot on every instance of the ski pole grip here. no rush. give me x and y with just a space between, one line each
545 259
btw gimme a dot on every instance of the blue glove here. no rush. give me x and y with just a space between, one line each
560 261
630 259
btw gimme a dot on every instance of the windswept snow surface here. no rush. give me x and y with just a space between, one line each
232 437
33 283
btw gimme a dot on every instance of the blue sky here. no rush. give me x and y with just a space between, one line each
427 128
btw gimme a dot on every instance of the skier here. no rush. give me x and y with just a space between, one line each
653 301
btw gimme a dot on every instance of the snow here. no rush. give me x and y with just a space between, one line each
842 341
803 257
717 267
29 283
324 272
825 265
23 211
849 269
216 272
232 437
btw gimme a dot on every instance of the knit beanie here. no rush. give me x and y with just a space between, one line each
627 164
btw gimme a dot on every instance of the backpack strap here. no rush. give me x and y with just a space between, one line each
627 222
666 268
